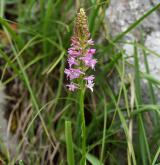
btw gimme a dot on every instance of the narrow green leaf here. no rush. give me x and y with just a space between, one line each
69 143
93 160
144 146
156 156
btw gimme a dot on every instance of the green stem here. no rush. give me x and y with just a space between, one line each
83 127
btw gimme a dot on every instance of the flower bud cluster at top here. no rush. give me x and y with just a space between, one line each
80 55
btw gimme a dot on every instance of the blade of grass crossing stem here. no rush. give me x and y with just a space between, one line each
143 143
156 156
148 50
150 78
69 143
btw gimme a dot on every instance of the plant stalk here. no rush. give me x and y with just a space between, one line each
83 127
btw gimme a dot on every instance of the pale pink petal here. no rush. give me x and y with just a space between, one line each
72 61
90 86
90 42
75 73
93 63
67 72
89 78
91 51
72 87
74 53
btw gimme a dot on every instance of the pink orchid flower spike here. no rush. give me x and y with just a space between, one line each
80 55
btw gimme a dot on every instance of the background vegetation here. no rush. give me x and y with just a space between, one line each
121 127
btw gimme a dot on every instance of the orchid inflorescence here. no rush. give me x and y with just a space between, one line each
80 55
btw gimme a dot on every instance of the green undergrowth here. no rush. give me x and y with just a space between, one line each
43 116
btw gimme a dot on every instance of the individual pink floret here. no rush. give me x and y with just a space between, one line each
72 87
89 83
89 62
93 63
90 86
89 78
75 42
67 72
73 73
91 51
90 42
72 61
74 53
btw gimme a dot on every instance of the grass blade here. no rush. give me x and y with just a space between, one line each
156 156
144 147
69 143
93 160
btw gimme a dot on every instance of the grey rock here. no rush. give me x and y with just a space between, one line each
120 15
